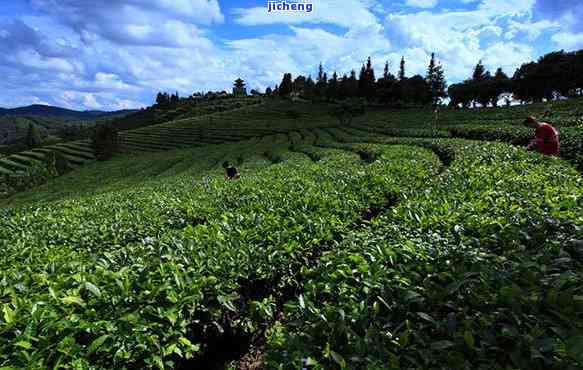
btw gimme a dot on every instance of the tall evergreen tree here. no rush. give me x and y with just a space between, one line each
402 69
386 71
332 89
286 86
479 72
352 85
362 81
320 73
439 83
435 80
343 87
309 89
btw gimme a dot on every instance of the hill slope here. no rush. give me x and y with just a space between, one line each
37 110
340 247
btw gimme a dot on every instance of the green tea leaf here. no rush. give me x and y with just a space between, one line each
93 289
94 346
71 300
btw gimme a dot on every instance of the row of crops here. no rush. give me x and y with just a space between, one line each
27 169
224 127
338 248
77 154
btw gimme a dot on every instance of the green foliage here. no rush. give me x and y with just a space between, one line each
571 140
370 246
56 163
21 180
347 110
33 138
105 142
448 279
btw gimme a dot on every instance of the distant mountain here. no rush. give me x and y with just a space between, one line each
37 110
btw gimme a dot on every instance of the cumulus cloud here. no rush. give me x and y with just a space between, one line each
568 40
169 23
422 3
116 54
568 11
461 38
305 48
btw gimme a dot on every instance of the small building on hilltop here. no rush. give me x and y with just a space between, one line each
239 88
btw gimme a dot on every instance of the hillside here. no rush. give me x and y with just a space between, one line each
48 111
387 242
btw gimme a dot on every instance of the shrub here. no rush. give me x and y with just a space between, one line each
105 142
57 164
36 174
347 110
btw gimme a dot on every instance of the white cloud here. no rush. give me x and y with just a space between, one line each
568 40
422 3
167 23
302 51
507 7
532 30
461 38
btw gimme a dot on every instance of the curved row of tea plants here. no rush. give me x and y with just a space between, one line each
480 269
152 276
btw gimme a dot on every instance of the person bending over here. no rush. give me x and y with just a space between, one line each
231 172
546 140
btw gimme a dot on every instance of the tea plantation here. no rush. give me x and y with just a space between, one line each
392 242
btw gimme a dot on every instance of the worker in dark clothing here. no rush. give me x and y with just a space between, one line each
231 172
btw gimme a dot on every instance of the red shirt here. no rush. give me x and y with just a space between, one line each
547 139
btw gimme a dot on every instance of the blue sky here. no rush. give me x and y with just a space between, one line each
115 54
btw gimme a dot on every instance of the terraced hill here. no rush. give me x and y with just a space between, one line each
223 127
354 247
150 138
77 153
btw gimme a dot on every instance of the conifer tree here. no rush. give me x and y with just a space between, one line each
352 85
402 69
286 86
479 72
435 80
320 73
332 90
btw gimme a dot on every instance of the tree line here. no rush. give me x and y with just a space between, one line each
554 75
388 89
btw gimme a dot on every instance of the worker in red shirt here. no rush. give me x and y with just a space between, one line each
546 139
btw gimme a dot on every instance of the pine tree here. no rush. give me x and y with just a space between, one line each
386 71
435 80
320 73
439 85
343 87
160 99
352 85
402 69
332 90
310 88
370 76
430 76
479 72
286 86
362 81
